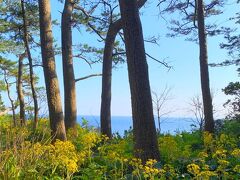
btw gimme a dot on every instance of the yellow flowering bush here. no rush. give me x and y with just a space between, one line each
64 155
27 154
35 160
151 172
194 169
236 153
220 154
225 141
169 149
208 141
236 169
206 174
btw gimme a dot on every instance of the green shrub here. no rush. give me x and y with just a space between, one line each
27 154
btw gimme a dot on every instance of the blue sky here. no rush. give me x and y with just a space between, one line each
183 79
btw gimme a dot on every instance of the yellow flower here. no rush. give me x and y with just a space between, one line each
220 154
135 162
64 154
169 169
206 174
237 169
193 169
202 155
104 138
223 163
151 162
71 166
149 171
236 153
208 139
161 172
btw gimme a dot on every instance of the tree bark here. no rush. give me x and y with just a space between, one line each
105 115
19 89
68 70
51 81
10 99
206 94
144 130
32 83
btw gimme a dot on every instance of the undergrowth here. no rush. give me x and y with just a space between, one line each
27 154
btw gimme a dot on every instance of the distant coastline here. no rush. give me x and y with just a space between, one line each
120 124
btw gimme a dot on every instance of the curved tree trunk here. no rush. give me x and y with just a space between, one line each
10 99
206 94
68 70
51 81
144 130
32 83
19 89
105 115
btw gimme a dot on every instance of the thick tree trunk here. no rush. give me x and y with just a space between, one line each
68 71
51 81
206 94
10 99
114 28
32 83
19 89
144 129
105 115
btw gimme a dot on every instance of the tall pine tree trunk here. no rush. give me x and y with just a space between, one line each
32 83
114 28
68 70
51 81
105 115
144 130
19 89
206 94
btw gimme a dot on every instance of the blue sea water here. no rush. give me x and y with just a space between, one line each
122 123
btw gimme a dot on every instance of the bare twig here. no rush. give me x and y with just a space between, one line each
83 58
161 62
159 101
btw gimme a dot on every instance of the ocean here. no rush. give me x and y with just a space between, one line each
121 123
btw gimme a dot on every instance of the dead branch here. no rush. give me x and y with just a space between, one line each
86 77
